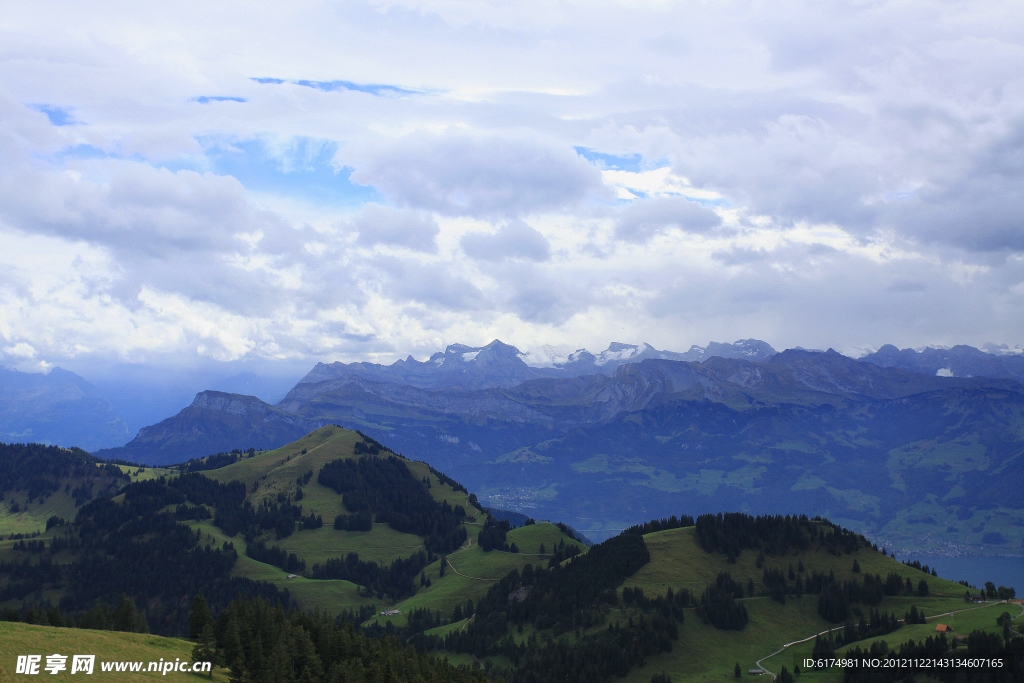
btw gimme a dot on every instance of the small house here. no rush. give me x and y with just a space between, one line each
292 576
755 672
390 612
943 628
977 597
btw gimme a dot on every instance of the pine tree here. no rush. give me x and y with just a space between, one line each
737 672
125 615
205 650
199 618
238 672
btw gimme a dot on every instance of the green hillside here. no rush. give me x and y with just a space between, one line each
696 649
678 561
687 598
269 474
108 646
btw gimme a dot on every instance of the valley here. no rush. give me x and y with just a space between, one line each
917 461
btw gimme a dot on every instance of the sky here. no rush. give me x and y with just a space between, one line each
247 186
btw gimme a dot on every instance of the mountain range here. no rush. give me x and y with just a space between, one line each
921 459
497 364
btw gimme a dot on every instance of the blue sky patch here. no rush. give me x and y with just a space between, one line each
303 169
378 89
630 162
58 115
206 99
82 152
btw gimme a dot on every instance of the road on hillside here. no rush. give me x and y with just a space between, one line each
839 628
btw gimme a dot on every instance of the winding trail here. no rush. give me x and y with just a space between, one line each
839 628
469 544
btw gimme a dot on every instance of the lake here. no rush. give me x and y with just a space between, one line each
976 570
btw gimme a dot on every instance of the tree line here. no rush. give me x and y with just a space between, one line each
135 548
732 532
979 645
262 642
42 470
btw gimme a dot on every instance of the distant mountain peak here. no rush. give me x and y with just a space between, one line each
958 361
59 407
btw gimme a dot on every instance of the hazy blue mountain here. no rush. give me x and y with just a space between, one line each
457 367
922 461
144 394
502 365
215 422
58 408
959 361
912 457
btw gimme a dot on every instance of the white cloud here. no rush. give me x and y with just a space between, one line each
658 182
808 173
515 240
378 224
458 174
645 218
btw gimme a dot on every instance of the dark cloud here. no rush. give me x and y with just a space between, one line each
739 256
904 286
413 230
432 284
978 208
645 218
515 240
541 294
487 176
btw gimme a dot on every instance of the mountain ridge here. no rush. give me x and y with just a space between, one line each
59 407
603 450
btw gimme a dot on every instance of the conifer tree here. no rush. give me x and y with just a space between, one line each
199 618
238 672
205 650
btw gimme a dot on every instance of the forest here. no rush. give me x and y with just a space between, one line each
385 488
261 642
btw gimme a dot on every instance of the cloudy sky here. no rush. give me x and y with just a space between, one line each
227 182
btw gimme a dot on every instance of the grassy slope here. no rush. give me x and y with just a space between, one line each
453 588
32 517
277 472
702 651
274 472
677 561
965 619
24 639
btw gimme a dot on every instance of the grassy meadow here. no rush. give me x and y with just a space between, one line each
25 639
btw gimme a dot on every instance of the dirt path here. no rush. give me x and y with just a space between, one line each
469 544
